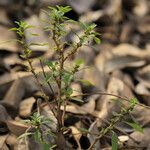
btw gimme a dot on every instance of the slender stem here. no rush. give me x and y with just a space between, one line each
105 121
39 106
111 125
59 80
40 85
117 128
73 51
49 85
105 93
25 46
64 112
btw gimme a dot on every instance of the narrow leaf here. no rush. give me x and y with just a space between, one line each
77 100
38 44
114 141
135 126
134 101
13 29
37 136
97 40
86 82
79 62
52 147
34 34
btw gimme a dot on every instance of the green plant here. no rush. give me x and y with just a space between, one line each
117 118
37 122
60 74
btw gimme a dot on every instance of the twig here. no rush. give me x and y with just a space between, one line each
117 128
39 106
64 112
103 120
25 46
59 80
73 51
105 93
111 125
50 87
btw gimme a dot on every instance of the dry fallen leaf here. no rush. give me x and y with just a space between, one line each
131 50
142 138
143 6
17 128
89 107
93 129
2 141
15 94
141 115
31 36
108 104
144 92
123 62
46 112
11 140
77 135
84 5
26 106
7 40
76 90
143 76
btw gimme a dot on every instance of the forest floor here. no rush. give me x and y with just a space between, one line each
119 65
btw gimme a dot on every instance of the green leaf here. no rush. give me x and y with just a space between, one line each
135 126
28 121
49 132
134 101
79 62
51 65
51 8
115 114
91 27
97 40
64 9
52 147
38 44
83 25
77 100
86 82
72 21
49 78
37 136
45 146
23 25
28 52
23 56
34 34
114 141
67 77
68 91
13 29
36 119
